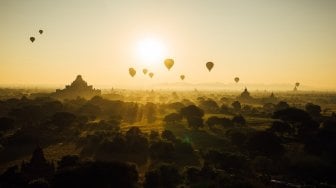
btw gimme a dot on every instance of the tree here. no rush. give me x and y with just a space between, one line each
282 105
90 110
29 115
68 161
136 141
195 122
313 109
300 121
166 176
154 135
97 174
168 135
183 147
291 115
236 106
150 112
194 115
191 111
237 136
281 128
329 125
162 150
307 128
228 161
214 120
263 165
63 119
269 107
209 105
133 132
12 178
239 120
192 174
172 118
131 112
224 109
52 107
323 142
265 143
6 124
176 106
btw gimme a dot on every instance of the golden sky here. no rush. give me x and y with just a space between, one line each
260 41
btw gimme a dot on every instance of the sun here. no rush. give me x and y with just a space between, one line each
151 50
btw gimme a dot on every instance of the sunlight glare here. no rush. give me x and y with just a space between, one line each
151 51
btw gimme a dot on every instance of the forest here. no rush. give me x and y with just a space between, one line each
128 138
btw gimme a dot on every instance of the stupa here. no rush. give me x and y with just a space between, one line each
78 88
38 166
245 96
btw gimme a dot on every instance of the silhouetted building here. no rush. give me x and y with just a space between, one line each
78 88
245 96
38 166
295 88
271 99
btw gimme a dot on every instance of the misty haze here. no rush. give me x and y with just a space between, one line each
165 94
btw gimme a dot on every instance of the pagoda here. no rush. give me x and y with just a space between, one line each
270 99
245 96
38 166
78 88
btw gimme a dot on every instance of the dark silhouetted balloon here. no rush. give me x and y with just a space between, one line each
151 74
297 84
236 79
32 39
209 65
40 31
169 63
182 77
132 71
144 71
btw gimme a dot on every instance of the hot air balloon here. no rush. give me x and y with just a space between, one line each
236 79
209 65
151 74
32 39
297 84
132 71
182 77
169 63
40 31
144 71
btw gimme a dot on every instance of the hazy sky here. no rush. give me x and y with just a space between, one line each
261 41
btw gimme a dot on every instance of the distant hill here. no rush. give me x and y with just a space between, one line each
229 86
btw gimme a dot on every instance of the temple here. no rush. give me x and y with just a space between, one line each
78 88
38 166
271 99
245 96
